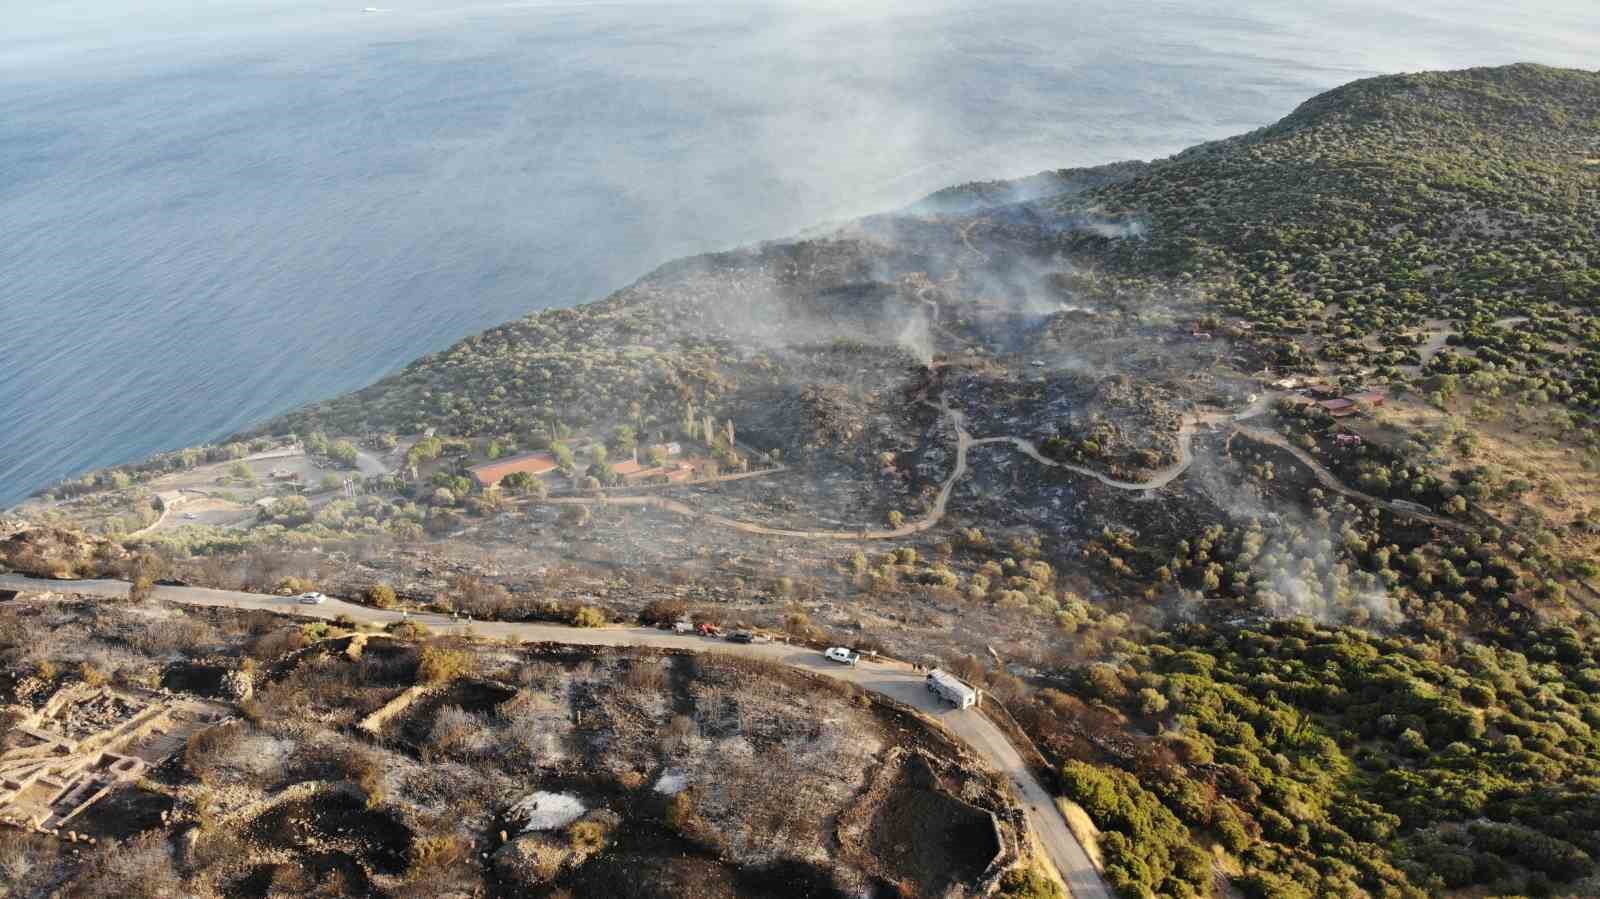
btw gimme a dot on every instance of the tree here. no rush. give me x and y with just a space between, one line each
625 439
344 452
523 483
289 512
563 456
896 518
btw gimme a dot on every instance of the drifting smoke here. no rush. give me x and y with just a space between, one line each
1114 230
1296 566
1292 595
916 337
889 280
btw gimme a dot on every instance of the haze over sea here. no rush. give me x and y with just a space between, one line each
212 213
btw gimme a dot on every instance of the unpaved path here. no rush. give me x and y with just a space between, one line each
1331 481
370 466
935 514
892 679
964 442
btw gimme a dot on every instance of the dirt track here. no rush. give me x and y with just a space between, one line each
964 443
1331 481
894 680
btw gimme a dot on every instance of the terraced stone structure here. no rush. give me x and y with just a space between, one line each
86 742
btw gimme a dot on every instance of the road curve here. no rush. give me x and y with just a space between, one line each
964 443
1331 481
894 680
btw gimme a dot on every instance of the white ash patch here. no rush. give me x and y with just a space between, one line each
546 811
671 783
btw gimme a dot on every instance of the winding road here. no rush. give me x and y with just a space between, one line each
892 679
964 442
1331 481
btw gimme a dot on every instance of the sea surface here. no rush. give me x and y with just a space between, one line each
212 213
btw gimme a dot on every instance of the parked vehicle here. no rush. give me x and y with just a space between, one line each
951 689
683 627
841 655
709 630
313 599
741 637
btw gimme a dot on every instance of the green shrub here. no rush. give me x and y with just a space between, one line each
381 596
589 616
438 664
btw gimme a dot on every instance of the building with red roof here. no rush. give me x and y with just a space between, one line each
490 474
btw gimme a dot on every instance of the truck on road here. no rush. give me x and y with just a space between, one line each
841 655
951 689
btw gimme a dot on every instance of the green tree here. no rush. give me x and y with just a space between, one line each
523 483
344 452
624 439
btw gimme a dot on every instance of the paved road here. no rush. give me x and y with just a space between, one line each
894 680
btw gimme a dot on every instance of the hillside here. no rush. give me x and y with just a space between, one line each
1261 483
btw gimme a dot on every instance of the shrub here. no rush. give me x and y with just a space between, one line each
588 836
1028 883
681 812
588 616
662 611
434 853
92 674
1151 702
406 629
440 663
207 749
291 585
381 596
136 869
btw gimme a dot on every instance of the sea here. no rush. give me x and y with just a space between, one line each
212 213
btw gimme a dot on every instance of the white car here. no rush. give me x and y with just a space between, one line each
313 599
841 655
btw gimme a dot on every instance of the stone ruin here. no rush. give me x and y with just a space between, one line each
86 742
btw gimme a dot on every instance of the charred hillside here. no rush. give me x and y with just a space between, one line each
1469 195
1261 483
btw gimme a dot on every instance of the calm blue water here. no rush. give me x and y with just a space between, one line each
208 217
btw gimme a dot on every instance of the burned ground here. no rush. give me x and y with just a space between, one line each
367 765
